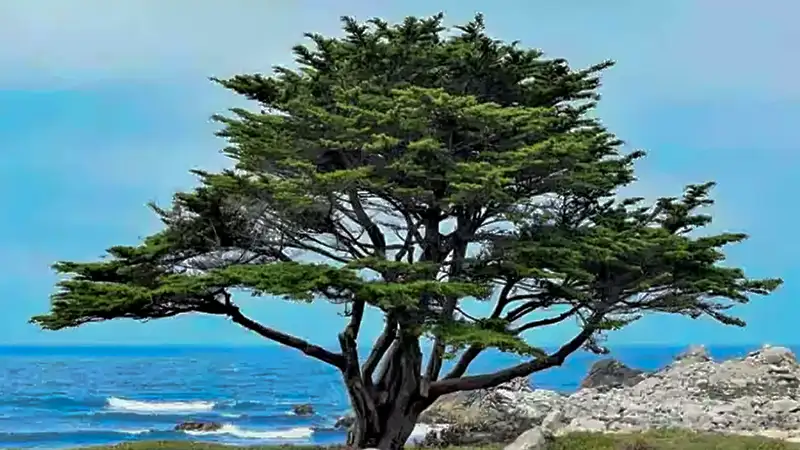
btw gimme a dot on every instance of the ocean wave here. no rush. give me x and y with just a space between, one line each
154 407
239 405
232 430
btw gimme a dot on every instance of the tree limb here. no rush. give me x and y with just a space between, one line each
463 363
434 366
523 309
374 232
457 243
502 299
412 234
380 348
525 369
314 351
474 350
549 321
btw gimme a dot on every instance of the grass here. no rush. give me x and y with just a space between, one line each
654 440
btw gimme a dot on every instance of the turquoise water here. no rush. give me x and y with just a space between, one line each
53 397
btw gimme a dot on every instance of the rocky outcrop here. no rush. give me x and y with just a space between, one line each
478 433
694 354
533 439
497 404
610 373
757 394
484 417
304 409
198 426
344 422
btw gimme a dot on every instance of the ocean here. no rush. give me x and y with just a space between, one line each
61 397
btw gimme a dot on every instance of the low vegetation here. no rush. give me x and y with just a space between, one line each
660 440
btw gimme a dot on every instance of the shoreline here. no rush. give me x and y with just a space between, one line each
650 440
253 410
755 395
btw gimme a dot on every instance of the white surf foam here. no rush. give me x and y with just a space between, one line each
151 407
233 430
143 431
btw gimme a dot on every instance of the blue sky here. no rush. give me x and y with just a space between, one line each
104 106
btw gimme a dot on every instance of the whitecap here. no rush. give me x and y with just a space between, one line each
142 431
152 407
233 430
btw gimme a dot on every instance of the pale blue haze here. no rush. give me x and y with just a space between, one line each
104 106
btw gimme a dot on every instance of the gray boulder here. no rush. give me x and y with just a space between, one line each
345 422
489 432
774 356
198 426
533 439
304 409
694 354
610 373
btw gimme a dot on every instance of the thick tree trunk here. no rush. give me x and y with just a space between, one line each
389 435
387 411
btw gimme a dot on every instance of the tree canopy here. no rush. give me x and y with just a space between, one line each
418 168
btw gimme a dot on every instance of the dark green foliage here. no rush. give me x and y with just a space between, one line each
418 169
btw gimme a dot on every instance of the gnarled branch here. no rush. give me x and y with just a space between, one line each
335 359
548 321
380 348
469 383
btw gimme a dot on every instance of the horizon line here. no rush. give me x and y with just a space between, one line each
276 345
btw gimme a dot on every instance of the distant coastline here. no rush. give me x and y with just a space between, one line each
207 347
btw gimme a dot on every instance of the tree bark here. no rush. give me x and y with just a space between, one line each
388 435
386 413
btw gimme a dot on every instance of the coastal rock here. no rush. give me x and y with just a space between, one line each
345 422
694 354
746 396
776 356
478 433
488 416
513 399
533 439
610 373
198 426
304 409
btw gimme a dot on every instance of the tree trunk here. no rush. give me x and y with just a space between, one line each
386 412
389 435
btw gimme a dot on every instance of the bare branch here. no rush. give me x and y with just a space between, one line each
374 232
525 369
463 363
474 350
356 317
525 308
502 299
348 343
314 351
412 235
549 321
380 348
